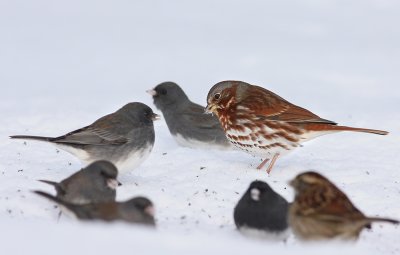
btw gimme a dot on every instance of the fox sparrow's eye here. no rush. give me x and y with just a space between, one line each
217 96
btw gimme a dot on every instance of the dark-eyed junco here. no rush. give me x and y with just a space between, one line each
95 183
262 213
125 138
186 120
321 211
138 210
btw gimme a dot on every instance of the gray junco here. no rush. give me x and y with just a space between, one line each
125 138
262 213
95 183
138 210
186 120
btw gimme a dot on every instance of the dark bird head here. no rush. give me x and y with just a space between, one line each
139 112
167 95
259 191
104 174
261 208
141 204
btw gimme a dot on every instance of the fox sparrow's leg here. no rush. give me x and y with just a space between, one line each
263 164
271 165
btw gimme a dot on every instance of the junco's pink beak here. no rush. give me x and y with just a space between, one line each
150 210
155 117
113 183
152 92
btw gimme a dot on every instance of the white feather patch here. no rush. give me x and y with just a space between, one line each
133 160
264 235
124 165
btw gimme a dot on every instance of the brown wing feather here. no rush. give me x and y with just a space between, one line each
266 103
338 204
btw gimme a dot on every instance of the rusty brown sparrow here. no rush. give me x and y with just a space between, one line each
321 211
264 124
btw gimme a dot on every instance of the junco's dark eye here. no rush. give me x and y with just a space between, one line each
163 91
104 174
217 96
148 114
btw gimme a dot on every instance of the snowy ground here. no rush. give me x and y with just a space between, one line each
63 65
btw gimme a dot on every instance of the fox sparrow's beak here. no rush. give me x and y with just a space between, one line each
210 109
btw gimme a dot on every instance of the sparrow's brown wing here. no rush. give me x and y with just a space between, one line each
333 205
265 103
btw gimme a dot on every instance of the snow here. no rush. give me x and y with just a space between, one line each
65 64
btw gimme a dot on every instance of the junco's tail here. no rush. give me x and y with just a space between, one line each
55 184
55 199
32 137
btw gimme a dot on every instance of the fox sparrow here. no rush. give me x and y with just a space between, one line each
321 211
263 124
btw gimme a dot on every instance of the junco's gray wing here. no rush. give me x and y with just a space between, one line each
113 211
194 114
108 130
104 211
102 132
